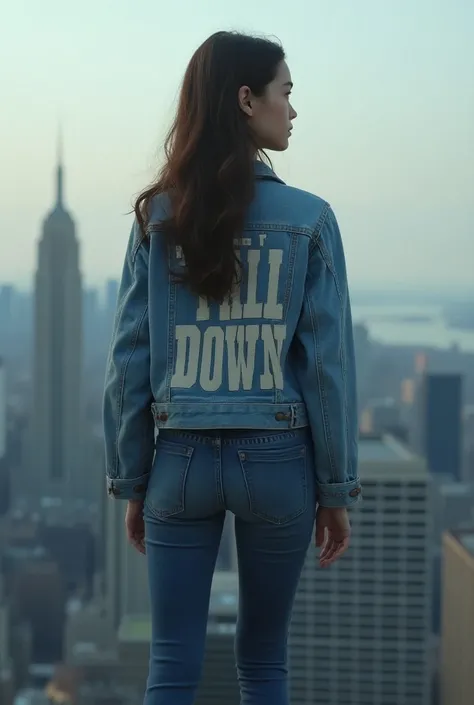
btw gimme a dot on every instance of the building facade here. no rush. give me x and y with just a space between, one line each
125 576
219 677
4 466
54 461
6 665
457 650
361 630
441 422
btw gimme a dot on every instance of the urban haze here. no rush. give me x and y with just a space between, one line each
385 133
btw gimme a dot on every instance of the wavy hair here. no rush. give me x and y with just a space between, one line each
208 172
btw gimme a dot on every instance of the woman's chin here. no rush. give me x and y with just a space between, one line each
280 146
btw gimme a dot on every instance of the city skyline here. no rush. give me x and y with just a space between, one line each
385 133
385 112
455 290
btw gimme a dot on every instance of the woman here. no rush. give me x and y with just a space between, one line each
233 340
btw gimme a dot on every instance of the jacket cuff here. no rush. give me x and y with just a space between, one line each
129 488
339 494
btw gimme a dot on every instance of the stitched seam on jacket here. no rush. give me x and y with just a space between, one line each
344 376
323 398
171 324
278 227
135 336
342 354
271 403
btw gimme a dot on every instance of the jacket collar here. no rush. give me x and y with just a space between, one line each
262 171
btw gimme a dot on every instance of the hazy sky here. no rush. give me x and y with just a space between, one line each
385 95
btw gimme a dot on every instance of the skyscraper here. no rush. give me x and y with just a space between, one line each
441 423
111 296
3 412
6 298
219 677
56 441
361 630
4 469
126 576
6 670
457 650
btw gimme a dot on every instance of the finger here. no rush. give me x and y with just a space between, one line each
137 540
139 544
336 555
335 551
342 544
325 544
328 552
339 550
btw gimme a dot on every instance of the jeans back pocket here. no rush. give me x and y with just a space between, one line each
166 489
276 482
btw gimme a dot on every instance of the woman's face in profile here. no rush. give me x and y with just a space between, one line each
270 115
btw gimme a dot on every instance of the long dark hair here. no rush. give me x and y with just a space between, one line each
208 172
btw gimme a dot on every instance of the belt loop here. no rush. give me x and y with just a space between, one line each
293 416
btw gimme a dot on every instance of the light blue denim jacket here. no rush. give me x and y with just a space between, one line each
279 356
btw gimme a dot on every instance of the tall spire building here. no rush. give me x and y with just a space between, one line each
56 441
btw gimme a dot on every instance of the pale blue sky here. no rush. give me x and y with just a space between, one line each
385 132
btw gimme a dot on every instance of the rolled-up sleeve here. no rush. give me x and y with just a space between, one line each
127 417
327 370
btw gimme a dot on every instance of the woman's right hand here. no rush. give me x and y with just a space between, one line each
333 531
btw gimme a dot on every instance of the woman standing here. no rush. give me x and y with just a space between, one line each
230 382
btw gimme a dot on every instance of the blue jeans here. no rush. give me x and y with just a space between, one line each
266 478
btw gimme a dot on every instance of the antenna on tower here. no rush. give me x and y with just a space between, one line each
60 178
60 144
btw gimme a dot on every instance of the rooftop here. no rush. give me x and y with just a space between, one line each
451 488
466 539
382 449
385 454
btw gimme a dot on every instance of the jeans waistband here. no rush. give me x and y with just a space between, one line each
230 436
193 416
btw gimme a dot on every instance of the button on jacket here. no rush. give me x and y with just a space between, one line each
278 354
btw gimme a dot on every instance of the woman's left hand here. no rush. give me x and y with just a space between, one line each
135 524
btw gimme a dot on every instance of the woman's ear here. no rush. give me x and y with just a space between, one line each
245 100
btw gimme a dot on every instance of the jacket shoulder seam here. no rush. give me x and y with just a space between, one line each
318 228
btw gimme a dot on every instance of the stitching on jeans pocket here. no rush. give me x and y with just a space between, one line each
276 482
165 495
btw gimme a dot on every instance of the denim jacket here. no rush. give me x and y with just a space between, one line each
278 355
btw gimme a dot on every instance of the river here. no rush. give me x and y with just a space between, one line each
390 324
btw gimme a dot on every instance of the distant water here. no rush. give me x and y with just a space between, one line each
392 324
